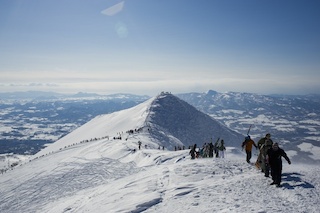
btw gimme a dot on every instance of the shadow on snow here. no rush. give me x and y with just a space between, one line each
294 180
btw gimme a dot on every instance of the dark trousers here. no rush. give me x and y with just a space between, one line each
276 171
193 155
267 170
249 155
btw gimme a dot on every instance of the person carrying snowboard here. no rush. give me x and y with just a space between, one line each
274 160
264 145
247 145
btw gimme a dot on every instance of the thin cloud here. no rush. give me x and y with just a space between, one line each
113 10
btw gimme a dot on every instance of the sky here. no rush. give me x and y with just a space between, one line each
148 46
76 174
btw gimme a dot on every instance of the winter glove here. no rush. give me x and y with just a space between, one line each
289 162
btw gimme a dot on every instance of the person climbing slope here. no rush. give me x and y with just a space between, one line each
247 145
274 160
264 144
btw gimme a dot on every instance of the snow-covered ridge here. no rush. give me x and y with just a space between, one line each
166 120
103 126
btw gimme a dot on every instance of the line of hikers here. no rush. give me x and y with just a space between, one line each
208 150
269 157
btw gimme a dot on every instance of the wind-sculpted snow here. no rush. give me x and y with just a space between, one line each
107 176
225 185
65 178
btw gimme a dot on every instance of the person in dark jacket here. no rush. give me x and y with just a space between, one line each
274 160
193 151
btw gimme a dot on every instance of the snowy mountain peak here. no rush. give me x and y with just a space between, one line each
211 93
166 120
175 122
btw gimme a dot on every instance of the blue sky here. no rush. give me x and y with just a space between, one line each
149 46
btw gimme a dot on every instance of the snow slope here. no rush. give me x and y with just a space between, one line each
89 172
108 176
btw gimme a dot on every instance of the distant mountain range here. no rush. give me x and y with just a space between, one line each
40 95
293 121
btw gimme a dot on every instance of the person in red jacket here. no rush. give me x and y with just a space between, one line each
274 160
247 144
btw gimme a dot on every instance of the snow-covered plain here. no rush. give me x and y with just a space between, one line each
82 174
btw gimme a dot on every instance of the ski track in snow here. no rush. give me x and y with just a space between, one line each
229 186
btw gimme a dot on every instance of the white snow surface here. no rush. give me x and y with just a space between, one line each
114 176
